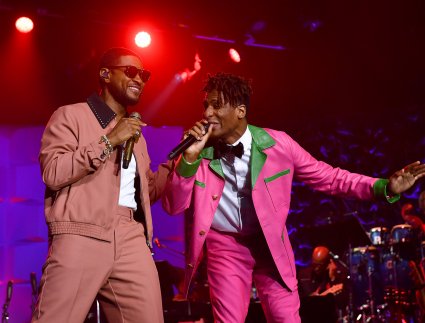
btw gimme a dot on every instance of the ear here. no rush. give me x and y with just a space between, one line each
104 74
241 111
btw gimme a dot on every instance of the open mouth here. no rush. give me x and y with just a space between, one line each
134 89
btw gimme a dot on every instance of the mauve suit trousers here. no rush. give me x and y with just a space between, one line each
121 273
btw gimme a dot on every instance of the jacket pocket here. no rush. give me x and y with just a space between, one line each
275 188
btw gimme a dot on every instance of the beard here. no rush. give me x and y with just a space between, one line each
123 98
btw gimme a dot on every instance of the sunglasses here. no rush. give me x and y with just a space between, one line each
131 71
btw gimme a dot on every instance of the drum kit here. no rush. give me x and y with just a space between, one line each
382 288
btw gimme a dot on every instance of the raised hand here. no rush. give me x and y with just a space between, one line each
198 131
405 178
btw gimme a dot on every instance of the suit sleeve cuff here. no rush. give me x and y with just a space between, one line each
380 191
186 169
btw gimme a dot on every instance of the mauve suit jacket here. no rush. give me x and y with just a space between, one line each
82 188
275 160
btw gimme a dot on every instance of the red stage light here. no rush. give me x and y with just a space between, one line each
24 24
234 55
142 39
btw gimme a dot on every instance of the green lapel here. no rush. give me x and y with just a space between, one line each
260 141
215 165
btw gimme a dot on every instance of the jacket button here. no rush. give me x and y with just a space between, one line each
214 197
190 265
202 233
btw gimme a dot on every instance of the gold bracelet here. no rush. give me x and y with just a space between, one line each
108 147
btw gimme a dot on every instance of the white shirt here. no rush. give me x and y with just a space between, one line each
127 189
235 212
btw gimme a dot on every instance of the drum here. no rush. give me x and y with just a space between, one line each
401 233
379 236
404 243
397 280
365 274
364 260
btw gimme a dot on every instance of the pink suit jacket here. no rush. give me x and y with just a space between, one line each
275 159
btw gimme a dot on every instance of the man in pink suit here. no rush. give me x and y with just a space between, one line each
97 206
234 183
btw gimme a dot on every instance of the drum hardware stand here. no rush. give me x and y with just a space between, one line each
5 316
33 280
397 306
350 283
370 303
372 316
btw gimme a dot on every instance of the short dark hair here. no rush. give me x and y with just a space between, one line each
236 90
111 56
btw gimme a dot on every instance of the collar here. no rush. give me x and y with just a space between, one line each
101 110
246 140
261 137
253 135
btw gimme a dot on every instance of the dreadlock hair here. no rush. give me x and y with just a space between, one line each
236 90
110 57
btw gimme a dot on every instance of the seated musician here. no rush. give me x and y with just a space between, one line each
325 277
323 274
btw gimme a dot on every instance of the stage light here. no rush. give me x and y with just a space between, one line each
182 77
187 74
234 55
142 39
24 25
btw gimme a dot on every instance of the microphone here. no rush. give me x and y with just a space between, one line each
186 143
33 280
336 258
333 256
128 151
9 291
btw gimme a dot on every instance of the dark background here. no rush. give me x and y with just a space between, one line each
348 61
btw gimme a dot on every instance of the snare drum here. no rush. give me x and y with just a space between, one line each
379 236
401 233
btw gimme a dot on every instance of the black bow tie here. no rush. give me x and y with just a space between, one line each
228 152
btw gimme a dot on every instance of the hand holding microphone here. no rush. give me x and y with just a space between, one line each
128 151
193 142
126 130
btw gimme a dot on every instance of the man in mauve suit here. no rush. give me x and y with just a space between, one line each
234 183
97 203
